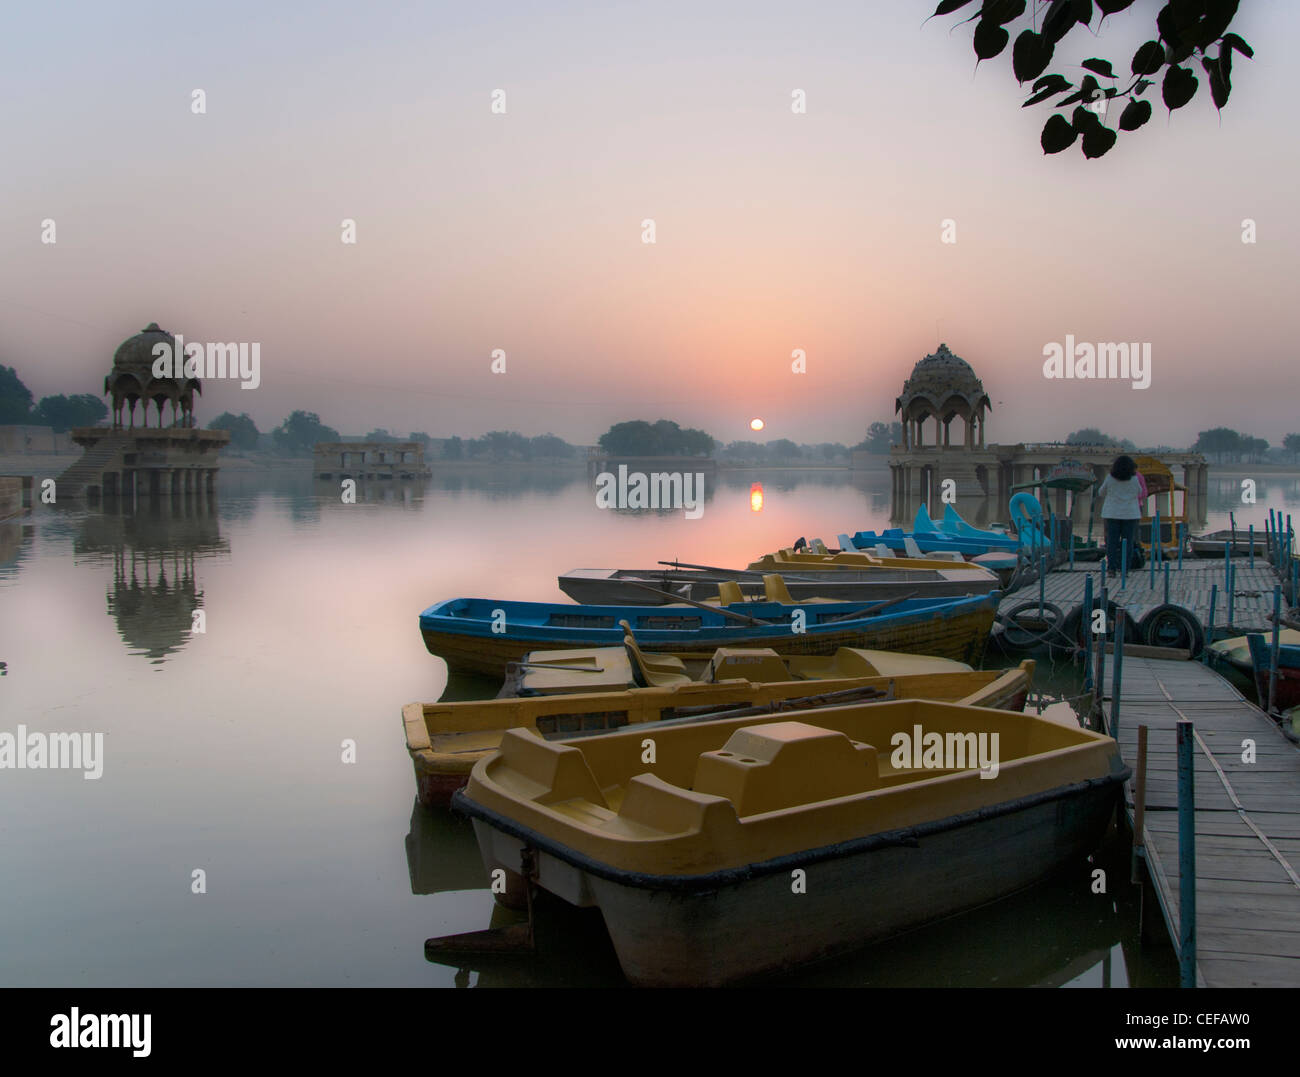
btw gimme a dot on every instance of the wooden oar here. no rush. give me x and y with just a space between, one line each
570 669
740 572
704 606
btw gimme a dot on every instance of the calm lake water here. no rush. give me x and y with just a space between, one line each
223 749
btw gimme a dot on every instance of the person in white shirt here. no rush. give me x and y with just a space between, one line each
1125 494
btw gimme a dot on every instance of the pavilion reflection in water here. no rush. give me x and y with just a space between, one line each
154 548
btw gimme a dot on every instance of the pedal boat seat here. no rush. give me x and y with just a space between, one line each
661 671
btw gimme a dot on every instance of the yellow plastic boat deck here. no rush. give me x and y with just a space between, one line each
789 560
447 739
601 669
723 794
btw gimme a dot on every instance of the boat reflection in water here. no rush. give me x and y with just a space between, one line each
154 548
1057 933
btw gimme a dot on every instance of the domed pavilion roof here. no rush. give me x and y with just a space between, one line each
943 384
135 354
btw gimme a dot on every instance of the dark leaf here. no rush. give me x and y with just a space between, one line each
1058 20
1030 56
1097 140
1218 15
1149 59
990 39
1219 89
1084 119
1167 24
1109 7
1057 134
1002 11
1135 114
949 6
1225 65
1232 41
1054 82
1179 87
1102 67
1082 11
1140 87
1086 92
1042 95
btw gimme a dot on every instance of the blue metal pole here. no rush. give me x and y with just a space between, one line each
1155 556
1087 631
1099 678
1295 582
1209 627
1232 588
1157 543
1118 674
1166 583
1186 856
1182 541
1123 564
1273 655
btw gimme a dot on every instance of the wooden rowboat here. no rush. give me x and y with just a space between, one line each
478 635
445 740
746 847
870 583
1213 543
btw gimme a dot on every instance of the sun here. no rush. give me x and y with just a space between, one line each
756 424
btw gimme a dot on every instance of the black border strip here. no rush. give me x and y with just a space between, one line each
462 804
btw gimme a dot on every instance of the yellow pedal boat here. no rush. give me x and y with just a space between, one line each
745 847
445 740
787 560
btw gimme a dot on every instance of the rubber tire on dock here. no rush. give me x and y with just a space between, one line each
1173 626
1021 638
1076 630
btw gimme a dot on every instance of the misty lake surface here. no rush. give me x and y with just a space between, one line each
223 750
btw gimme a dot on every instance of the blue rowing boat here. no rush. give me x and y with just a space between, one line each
482 635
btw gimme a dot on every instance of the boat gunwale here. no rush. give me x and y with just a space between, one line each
707 882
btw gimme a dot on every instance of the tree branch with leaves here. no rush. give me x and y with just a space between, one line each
1185 29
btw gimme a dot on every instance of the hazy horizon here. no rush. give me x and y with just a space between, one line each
775 231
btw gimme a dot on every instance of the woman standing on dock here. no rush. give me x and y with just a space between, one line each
1125 492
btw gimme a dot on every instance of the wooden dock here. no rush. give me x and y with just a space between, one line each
1189 587
1247 818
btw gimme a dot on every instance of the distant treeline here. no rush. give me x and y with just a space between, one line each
303 429
60 412
665 438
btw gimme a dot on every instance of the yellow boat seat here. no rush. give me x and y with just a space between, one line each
661 671
775 589
729 592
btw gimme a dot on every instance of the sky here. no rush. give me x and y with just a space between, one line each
774 230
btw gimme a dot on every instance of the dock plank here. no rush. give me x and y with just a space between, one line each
1247 815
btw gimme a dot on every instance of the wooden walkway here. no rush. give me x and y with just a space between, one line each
1188 587
1247 818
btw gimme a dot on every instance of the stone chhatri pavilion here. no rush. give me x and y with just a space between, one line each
944 388
132 380
162 460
